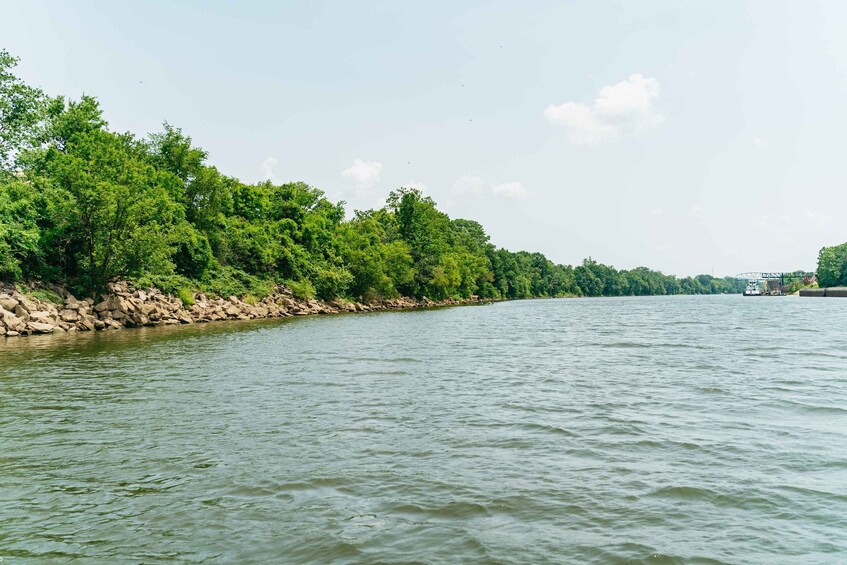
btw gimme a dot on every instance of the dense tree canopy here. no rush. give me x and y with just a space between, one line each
83 205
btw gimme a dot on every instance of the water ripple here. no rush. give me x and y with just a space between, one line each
655 430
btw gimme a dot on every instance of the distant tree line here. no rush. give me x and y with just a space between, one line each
82 205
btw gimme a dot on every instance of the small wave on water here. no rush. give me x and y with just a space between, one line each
711 389
449 511
628 345
818 408
529 427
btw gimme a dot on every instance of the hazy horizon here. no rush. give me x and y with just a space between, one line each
689 139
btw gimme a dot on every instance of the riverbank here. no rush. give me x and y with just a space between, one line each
831 292
124 306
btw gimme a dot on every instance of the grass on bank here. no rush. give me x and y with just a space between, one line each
224 282
42 294
220 281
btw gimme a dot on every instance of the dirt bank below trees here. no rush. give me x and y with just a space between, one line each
126 307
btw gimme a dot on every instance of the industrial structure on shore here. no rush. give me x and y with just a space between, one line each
774 283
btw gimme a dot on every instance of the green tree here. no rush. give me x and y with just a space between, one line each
426 231
587 279
111 211
832 266
377 264
21 111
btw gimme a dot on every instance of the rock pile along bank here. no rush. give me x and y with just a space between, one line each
126 307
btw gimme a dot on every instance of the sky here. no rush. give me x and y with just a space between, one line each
688 137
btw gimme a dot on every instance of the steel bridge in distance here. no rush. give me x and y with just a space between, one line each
774 276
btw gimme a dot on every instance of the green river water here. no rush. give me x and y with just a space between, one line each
632 430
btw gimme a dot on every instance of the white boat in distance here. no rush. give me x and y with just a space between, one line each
752 289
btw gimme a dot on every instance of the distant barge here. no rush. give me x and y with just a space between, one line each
753 289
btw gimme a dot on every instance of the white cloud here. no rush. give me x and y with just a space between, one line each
620 110
475 186
510 190
818 218
267 168
469 185
695 213
364 175
415 184
760 143
773 221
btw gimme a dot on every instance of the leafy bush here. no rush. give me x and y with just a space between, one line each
329 281
302 289
227 281
170 284
187 297
10 270
192 253
19 231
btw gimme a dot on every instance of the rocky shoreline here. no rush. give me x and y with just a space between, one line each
124 306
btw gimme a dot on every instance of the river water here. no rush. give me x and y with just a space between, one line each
640 430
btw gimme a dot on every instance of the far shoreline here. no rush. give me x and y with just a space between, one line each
126 307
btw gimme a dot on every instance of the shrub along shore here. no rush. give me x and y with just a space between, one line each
82 207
